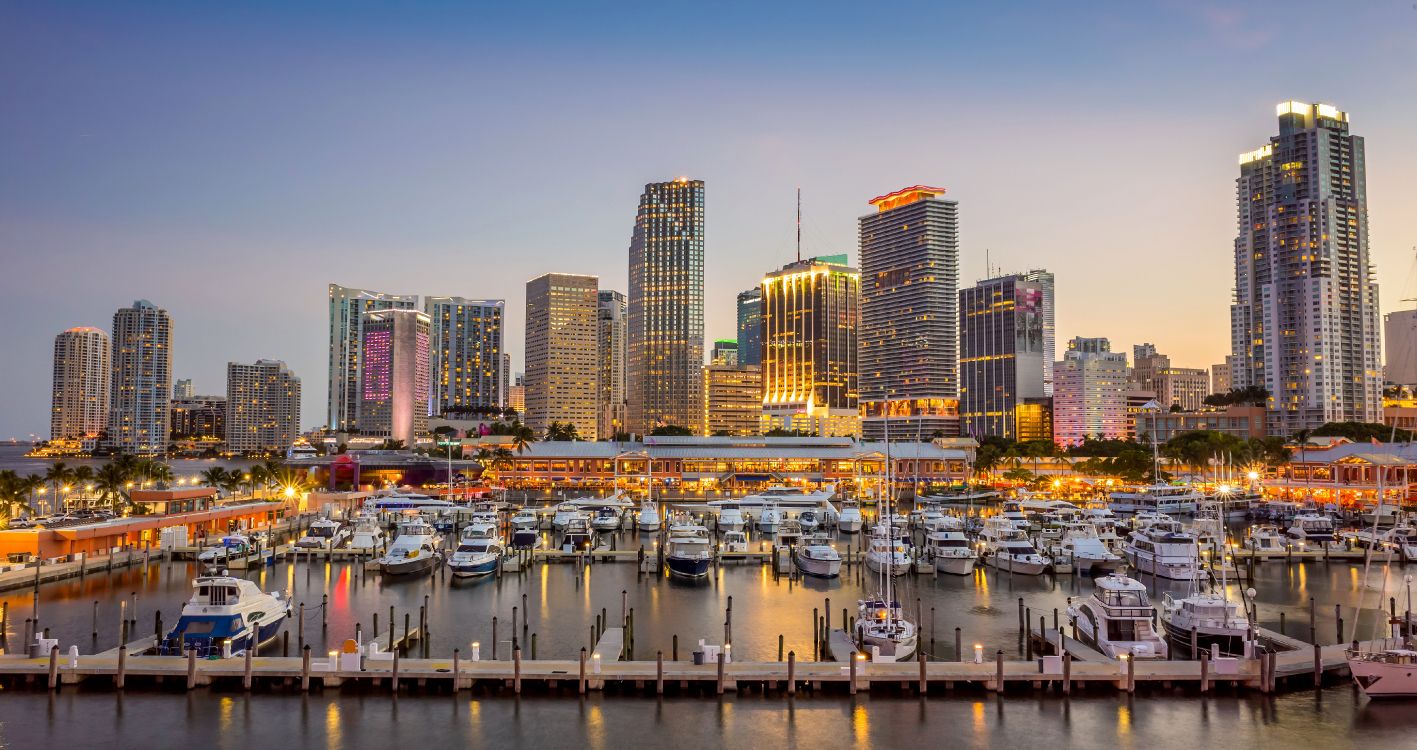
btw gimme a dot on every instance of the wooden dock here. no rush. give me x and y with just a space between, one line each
38 574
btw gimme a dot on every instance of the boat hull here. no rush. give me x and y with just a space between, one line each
411 567
1230 643
525 539
687 567
958 566
1384 680
473 569
1010 565
878 565
817 567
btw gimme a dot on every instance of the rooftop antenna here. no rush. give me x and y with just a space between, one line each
799 224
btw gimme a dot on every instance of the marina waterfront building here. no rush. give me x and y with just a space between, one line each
909 335
732 399
393 374
347 309
563 353
750 326
1400 345
1003 346
79 400
140 389
263 407
465 353
611 321
1090 393
666 308
810 314
1304 324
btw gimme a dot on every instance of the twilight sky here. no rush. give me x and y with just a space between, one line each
229 161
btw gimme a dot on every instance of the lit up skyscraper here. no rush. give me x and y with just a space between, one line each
393 374
750 327
809 354
666 308
1002 350
466 353
262 407
1304 325
79 407
347 309
611 322
562 353
141 386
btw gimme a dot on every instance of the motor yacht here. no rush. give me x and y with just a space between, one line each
816 557
1116 620
324 533
648 519
1165 550
231 546
606 519
564 513
951 552
223 612
809 520
730 518
881 626
1389 673
1082 548
1217 621
886 553
1265 538
769 519
1401 538
1007 548
850 521
478 554
414 550
1160 498
734 541
1312 528
577 535
688 554
367 535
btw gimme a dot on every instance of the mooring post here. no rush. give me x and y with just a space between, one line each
1067 673
246 668
1021 621
53 668
1205 671
999 671
119 679
395 681
494 637
300 626
191 668
721 661
791 672
924 683
582 672
457 670
1338 619
517 670
852 674
1318 666
1131 674
676 647
305 668
659 673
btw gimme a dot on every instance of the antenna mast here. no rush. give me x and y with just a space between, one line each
799 225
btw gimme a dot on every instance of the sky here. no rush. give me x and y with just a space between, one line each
229 160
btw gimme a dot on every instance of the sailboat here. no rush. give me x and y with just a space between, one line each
881 626
1390 672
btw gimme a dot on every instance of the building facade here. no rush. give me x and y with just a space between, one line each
393 374
1090 393
140 389
666 308
1304 324
1220 378
724 352
200 418
465 354
183 389
562 353
1183 387
612 320
750 326
347 309
909 336
732 399
1047 286
1243 422
81 385
1003 347
1400 346
263 407
810 376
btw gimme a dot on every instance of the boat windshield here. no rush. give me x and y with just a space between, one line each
1124 598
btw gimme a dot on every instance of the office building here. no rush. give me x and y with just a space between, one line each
732 399
750 326
666 308
1400 346
199 418
810 313
505 382
1003 348
612 321
1090 393
140 389
1220 378
724 352
263 407
394 374
1046 284
909 336
562 353
347 309
182 389
516 396
82 372
1304 324
1183 387
465 354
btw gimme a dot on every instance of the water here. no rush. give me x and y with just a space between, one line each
13 457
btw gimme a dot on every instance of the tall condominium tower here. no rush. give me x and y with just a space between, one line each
733 402
79 407
393 374
1045 281
182 389
1003 346
666 308
750 326
562 353
909 353
1304 324
506 381
466 353
141 386
347 308
263 407
1090 393
199 418
611 321
809 357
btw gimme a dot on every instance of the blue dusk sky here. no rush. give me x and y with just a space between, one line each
228 160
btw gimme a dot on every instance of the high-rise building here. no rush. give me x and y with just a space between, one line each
1400 339
1185 387
810 312
732 399
1090 393
1304 325
182 389
466 353
505 382
1046 282
909 338
263 407
516 395
141 386
199 418
666 308
393 374
724 352
611 325
562 353
750 326
79 404
1002 350
1220 378
347 309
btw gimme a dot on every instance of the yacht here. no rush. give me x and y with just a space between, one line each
783 498
769 519
1083 549
816 557
886 553
730 518
398 501
565 512
809 520
1216 620
1265 538
1007 548
367 535
524 519
882 628
477 554
951 552
1312 528
1401 538
688 553
1391 673
1161 498
735 541
225 611
648 518
606 519
1280 511
577 534
849 521
324 533
1165 550
414 550
232 545
1146 518
1116 619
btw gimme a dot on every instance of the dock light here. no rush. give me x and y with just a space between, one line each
595 662
334 661
67 487
978 653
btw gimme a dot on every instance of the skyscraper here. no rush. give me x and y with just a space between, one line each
750 326
611 322
724 352
666 308
141 386
1400 339
506 380
466 353
909 316
182 389
1090 393
393 374
732 399
79 407
1304 324
1003 346
347 308
1046 282
1220 378
810 312
199 418
562 353
263 407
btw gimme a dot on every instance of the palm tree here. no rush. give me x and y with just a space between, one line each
230 482
159 472
214 477
271 471
13 495
522 436
112 482
1301 439
58 475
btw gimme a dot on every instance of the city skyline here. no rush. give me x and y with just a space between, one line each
228 202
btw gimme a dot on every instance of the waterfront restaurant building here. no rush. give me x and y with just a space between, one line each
1346 473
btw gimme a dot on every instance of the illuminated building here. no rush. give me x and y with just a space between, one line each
1034 419
199 418
1185 387
466 353
79 404
809 347
562 353
516 395
1003 346
666 308
724 352
732 399
263 407
393 375
611 321
182 389
1304 324
1090 393
909 336
140 390
1220 378
347 309
1045 281
750 326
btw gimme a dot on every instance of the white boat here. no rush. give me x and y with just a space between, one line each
606 519
1312 528
850 521
809 520
1116 620
1390 673
367 536
1160 498
769 519
886 552
564 513
323 533
1401 538
225 615
735 541
730 518
414 550
577 534
1217 621
687 553
1007 548
230 546
816 557
1265 538
478 553
1081 548
396 501
1165 550
882 628
784 498
648 518
524 519
951 552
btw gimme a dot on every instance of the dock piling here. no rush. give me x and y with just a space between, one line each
246 670
517 670
53 668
